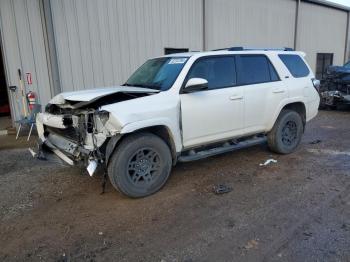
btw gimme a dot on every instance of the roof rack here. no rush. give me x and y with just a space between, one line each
241 48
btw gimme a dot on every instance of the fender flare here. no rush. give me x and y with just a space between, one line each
281 106
138 126
112 142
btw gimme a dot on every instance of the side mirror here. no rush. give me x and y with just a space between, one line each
195 84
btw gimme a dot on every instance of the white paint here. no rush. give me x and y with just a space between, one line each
93 94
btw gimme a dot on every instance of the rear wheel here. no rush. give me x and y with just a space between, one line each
140 165
286 133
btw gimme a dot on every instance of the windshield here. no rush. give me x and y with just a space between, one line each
158 73
347 65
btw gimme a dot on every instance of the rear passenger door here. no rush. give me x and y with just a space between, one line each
216 113
263 90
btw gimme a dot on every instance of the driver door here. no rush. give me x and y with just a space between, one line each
216 113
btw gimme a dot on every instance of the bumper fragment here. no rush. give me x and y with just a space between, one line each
47 151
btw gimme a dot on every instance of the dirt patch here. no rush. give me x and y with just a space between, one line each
297 209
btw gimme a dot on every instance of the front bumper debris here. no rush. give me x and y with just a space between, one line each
73 138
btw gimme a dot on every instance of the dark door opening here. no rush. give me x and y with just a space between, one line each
323 60
4 99
169 50
5 114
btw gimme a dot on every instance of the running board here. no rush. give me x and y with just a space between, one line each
192 155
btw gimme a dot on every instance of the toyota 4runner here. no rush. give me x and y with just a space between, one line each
182 107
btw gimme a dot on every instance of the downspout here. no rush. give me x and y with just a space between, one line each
347 40
296 24
50 46
204 46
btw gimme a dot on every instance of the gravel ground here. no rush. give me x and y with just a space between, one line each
297 209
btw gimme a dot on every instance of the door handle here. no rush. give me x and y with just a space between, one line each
236 97
279 91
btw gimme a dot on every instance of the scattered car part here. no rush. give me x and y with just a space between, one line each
317 141
92 166
268 161
221 189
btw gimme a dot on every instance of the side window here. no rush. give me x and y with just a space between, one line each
254 69
295 65
273 73
220 72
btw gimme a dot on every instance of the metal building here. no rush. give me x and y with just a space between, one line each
64 45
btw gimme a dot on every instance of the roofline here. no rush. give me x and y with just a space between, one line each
232 52
329 4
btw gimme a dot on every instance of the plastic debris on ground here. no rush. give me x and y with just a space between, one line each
221 189
268 161
315 142
252 244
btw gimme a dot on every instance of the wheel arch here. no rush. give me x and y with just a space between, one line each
298 106
161 131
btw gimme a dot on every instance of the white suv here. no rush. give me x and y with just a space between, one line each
182 107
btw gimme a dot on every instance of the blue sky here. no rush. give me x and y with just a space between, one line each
342 2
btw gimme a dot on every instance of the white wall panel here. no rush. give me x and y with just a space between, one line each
254 23
22 38
100 43
321 30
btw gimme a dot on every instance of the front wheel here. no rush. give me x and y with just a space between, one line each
140 165
286 133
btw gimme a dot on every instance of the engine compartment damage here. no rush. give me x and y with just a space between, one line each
78 131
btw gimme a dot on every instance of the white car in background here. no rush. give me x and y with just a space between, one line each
183 107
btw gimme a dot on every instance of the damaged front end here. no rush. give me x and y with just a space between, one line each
75 137
75 127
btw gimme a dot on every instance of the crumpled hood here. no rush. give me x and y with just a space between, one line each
94 94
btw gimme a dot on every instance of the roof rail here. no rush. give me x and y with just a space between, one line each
241 48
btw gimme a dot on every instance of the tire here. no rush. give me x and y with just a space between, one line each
140 165
286 133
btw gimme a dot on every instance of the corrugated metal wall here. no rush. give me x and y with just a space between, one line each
257 23
23 45
99 43
321 30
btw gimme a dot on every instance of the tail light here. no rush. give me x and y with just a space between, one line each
316 84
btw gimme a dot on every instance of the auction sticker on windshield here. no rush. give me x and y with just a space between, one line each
177 61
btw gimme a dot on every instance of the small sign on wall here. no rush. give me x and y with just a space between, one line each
29 78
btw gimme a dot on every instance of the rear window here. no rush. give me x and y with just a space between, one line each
254 69
295 65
